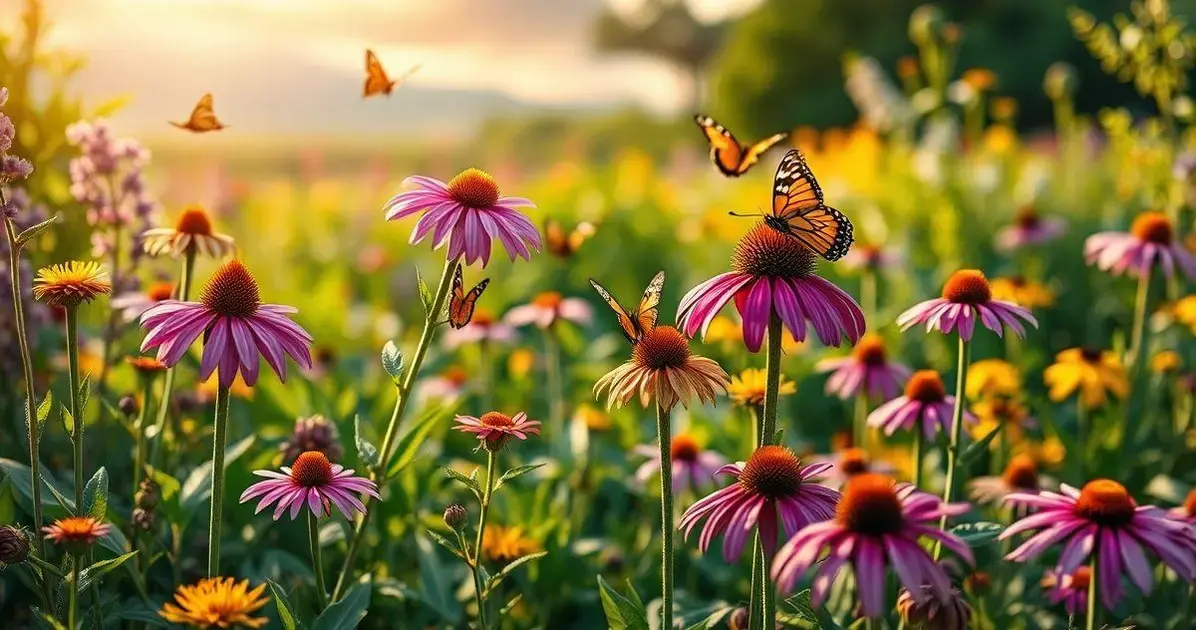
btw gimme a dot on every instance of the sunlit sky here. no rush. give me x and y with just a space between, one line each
297 65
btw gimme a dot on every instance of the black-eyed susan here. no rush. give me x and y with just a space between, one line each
70 284
1184 311
1091 371
748 387
192 233
1165 362
993 377
1023 292
1009 413
501 544
217 603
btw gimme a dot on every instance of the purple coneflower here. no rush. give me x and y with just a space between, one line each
848 463
925 403
494 429
771 488
548 307
1150 242
1020 476
870 257
468 214
877 525
134 303
1029 229
236 326
1187 511
692 466
312 481
967 297
663 369
866 370
1069 589
773 274
482 328
192 234
1104 520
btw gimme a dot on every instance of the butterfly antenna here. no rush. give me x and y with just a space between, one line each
740 214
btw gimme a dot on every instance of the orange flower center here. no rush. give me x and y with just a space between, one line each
1027 217
765 252
1081 578
870 505
925 386
159 291
549 300
772 471
482 317
870 350
853 461
1152 227
232 291
967 286
194 221
1021 472
685 448
456 375
474 188
1105 502
661 348
146 364
311 469
497 420
1190 503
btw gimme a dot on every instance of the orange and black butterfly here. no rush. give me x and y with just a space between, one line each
461 304
376 80
562 244
202 118
799 211
729 156
643 318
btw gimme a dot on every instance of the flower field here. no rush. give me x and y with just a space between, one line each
584 395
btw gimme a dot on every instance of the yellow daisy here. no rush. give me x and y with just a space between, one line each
994 412
1022 292
216 603
1165 361
747 387
993 377
70 284
1184 311
1093 372
504 544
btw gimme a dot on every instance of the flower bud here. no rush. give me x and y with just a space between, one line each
925 24
147 495
143 520
454 516
1060 81
128 406
739 619
14 545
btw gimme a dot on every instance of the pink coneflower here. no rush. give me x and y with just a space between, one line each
692 466
932 613
134 303
236 326
482 328
447 385
1103 518
848 463
1187 511
663 369
312 481
773 274
925 403
866 370
467 213
877 525
1069 589
870 257
76 533
1020 476
967 298
1149 243
1027 229
495 429
548 307
771 486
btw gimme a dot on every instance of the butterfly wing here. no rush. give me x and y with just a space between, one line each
725 151
753 153
629 325
376 81
461 304
798 209
202 118
649 311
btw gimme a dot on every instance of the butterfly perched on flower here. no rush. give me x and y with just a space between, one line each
202 119
798 210
461 304
564 244
729 156
643 318
376 80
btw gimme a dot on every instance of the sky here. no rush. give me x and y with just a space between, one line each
296 66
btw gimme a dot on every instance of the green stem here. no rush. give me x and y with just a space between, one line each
1138 334
47 567
475 568
31 424
219 441
147 393
184 292
762 587
953 451
664 441
491 460
919 452
72 355
555 380
317 564
1092 619
73 603
859 437
392 428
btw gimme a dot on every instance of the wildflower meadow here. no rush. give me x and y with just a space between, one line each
931 370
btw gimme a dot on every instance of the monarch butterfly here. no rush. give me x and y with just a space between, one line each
729 156
643 318
562 244
798 210
376 80
202 118
461 304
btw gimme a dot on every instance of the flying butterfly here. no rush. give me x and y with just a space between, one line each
798 210
729 156
202 119
562 244
376 79
461 304
643 318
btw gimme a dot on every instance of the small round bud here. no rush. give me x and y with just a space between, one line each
1060 81
128 406
14 545
454 516
143 520
925 24
739 619
147 495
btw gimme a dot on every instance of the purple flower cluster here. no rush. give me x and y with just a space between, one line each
37 314
12 168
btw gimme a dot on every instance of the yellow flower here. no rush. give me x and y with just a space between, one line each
207 389
980 79
520 363
1092 372
1049 452
1185 311
723 328
70 284
593 417
216 603
747 387
993 377
504 544
1165 361
1000 139
1022 292
994 412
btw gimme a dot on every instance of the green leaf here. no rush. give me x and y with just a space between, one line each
50 621
22 481
84 395
68 421
516 472
977 534
43 413
61 499
101 568
447 544
410 442
506 608
713 620
493 582
348 612
634 596
435 582
30 233
469 482
286 612
392 361
95 495
425 294
366 451
621 612
1167 489
198 486
801 614
976 449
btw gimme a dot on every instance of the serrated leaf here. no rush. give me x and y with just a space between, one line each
497 579
367 452
43 413
286 612
425 294
978 534
348 612
84 395
516 472
68 421
30 233
101 568
392 361
95 495
446 543
469 482
976 449
621 612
